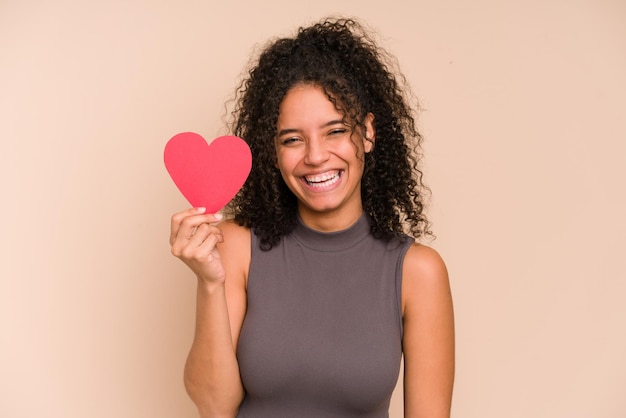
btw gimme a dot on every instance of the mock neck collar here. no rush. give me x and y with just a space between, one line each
332 241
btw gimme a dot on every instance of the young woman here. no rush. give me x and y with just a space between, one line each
314 287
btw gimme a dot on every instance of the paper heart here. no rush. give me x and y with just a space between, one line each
207 175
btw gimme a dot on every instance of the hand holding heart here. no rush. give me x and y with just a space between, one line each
208 176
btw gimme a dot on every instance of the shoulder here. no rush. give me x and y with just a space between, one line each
234 231
425 260
424 276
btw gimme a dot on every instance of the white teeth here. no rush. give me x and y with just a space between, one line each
322 180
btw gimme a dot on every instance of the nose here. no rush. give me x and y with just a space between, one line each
316 151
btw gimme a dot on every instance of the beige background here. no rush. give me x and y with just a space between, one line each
523 114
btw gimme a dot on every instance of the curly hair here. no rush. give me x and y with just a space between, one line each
340 57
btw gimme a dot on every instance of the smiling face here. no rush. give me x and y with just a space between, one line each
321 158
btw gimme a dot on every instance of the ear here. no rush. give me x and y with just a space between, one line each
370 133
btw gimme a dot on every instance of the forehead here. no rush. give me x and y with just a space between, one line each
306 103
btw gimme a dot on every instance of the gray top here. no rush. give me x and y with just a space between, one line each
322 335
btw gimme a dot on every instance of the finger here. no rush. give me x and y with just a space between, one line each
203 233
184 224
198 246
190 225
178 218
208 248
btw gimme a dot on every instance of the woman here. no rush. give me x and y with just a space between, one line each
313 289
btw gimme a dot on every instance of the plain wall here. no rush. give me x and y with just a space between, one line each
522 113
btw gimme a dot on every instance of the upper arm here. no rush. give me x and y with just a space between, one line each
235 252
428 339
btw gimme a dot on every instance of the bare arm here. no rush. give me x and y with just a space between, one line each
428 335
219 257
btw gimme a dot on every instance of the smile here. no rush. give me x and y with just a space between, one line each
323 180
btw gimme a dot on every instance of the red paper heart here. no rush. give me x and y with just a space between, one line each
208 175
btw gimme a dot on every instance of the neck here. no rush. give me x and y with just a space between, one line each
329 221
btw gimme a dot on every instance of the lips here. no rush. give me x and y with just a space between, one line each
323 179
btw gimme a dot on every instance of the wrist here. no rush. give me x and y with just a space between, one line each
210 287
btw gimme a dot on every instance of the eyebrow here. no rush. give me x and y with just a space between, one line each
326 125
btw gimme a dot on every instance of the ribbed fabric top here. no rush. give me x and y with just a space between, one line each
323 330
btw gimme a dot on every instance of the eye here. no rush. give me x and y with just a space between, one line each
338 131
290 140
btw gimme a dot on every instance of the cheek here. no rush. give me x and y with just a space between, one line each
278 157
285 161
351 151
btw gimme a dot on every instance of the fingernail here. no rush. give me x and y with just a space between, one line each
218 216
201 210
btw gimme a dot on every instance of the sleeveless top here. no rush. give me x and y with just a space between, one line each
322 336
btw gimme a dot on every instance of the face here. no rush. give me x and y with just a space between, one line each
320 157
